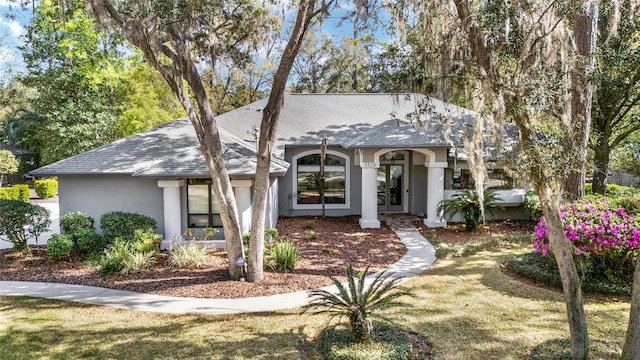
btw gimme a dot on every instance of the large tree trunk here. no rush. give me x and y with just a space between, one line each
631 349
585 30
268 128
601 155
571 286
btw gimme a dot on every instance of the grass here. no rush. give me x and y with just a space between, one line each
465 307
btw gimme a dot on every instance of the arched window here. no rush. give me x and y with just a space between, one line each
307 180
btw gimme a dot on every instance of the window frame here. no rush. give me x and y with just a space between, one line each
347 181
210 201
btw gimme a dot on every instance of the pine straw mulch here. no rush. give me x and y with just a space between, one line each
336 242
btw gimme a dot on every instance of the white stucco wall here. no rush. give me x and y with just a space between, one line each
99 194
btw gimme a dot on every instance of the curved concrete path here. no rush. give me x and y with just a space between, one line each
420 255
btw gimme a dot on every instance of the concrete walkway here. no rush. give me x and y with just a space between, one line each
420 255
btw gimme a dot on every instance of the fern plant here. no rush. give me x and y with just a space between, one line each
467 203
358 301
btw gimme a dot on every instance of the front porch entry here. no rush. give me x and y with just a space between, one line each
385 184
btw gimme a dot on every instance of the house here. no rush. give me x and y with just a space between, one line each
386 154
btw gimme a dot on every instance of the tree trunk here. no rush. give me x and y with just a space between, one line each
601 154
268 128
571 286
585 30
631 349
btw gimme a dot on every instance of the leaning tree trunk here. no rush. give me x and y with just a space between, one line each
563 253
601 155
631 349
266 142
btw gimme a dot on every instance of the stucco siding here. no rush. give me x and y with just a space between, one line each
99 194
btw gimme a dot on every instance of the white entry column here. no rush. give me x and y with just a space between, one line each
435 194
369 217
242 192
172 213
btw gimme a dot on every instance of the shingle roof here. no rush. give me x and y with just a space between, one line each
167 150
306 118
16 151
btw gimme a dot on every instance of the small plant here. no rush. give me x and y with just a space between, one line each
187 256
146 241
332 251
309 223
59 247
114 259
282 255
74 222
311 234
136 261
467 203
358 302
532 204
20 221
46 188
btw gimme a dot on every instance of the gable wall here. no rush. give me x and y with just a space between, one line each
99 194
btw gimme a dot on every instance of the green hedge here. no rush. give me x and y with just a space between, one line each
123 224
16 192
46 188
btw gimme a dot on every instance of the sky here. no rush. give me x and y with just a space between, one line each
11 29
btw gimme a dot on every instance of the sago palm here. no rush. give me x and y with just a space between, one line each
467 203
357 301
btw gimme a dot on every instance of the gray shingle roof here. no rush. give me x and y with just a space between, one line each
306 118
16 151
167 150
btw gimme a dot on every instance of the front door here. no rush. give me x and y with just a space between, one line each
390 188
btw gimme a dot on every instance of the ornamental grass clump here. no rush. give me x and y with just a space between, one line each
605 240
187 256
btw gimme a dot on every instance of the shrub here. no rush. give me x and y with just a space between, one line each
146 241
20 221
358 302
89 242
59 247
532 204
187 256
309 223
123 257
46 188
73 222
388 344
605 240
123 224
16 192
311 234
467 203
136 261
282 255
8 164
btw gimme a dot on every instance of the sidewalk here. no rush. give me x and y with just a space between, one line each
420 255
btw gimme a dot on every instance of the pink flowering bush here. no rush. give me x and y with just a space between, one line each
605 240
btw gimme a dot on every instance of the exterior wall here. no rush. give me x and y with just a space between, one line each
99 194
286 191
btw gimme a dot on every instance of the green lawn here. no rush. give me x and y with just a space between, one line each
465 307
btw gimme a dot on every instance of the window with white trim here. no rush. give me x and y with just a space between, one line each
307 179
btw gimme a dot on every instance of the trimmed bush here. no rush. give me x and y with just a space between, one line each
282 255
89 242
59 247
387 343
46 188
20 221
73 222
146 241
187 256
123 224
16 192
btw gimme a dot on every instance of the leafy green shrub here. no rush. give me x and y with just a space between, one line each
614 190
59 247
467 203
282 255
358 302
16 192
387 343
532 204
89 242
124 257
123 224
187 256
73 222
146 241
23 192
20 221
544 269
46 188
